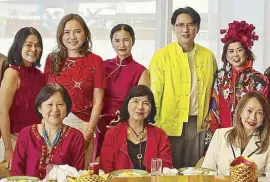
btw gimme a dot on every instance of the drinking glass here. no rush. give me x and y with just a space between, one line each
156 167
51 173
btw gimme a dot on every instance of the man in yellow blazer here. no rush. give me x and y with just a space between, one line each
181 76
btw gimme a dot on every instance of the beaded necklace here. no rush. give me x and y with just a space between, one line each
56 139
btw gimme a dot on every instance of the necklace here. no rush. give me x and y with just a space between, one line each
56 138
141 136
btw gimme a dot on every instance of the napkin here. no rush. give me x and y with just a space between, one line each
170 172
63 171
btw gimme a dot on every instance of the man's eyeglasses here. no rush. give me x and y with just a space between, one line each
190 26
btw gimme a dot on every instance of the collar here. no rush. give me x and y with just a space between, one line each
193 51
246 66
252 147
79 57
125 61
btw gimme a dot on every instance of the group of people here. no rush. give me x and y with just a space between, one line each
130 113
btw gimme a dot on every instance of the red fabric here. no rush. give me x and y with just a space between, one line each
22 112
114 153
120 80
79 76
229 86
31 157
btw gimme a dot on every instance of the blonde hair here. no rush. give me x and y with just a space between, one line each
237 136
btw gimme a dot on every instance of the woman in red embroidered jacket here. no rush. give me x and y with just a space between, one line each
50 142
236 77
134 142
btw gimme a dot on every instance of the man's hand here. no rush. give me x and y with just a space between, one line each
205 124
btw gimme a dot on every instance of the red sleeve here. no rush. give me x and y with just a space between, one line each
99 77
47 69
265 91
18 167
79 152
165 150
107 155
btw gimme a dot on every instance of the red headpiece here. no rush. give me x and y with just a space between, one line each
240 31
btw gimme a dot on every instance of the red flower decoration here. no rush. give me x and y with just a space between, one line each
240 31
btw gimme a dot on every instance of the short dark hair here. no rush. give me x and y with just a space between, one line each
125 27
137 91
15 51
196 19
47 91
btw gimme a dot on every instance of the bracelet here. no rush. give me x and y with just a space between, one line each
90 129
87 140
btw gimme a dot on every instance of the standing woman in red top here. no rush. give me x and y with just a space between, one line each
81 72
122 73
21 83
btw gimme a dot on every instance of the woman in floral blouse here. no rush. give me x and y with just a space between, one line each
236 77
81 72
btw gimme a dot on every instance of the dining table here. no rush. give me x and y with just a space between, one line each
180 178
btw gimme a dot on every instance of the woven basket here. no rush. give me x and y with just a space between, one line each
243 169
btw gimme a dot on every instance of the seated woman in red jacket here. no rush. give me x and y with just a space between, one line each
134 142
50 142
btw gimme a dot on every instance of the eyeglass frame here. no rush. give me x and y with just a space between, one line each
189 26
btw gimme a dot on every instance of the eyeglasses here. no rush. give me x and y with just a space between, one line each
190 26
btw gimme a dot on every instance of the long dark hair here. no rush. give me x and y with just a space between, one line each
15 51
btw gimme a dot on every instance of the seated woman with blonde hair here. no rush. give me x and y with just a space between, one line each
134 142
248 137
50 142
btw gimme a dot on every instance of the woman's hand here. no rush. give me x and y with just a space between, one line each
8 158
88 135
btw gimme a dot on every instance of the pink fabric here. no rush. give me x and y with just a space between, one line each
120 80
22 112
31 156
79 76
114 153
